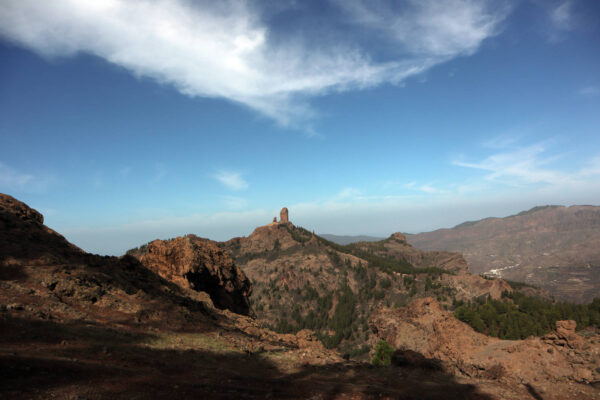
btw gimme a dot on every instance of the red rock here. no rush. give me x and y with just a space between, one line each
199 264
284 215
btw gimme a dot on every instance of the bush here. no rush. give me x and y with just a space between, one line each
383 354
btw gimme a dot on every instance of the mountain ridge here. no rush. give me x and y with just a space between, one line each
554 247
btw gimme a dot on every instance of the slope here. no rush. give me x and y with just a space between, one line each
556 248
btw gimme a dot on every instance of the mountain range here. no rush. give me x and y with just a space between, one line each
281 313
556 248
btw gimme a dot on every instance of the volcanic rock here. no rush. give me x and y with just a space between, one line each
423 327
284 215
199 264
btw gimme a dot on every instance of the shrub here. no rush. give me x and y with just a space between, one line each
383 354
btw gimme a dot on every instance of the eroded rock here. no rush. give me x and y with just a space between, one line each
199 264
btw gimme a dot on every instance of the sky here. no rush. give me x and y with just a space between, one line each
125 121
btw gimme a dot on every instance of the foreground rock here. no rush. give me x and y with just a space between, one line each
551 364
199 264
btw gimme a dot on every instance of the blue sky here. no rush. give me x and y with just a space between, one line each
124 121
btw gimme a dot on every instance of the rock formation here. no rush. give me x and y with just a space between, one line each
199 264
284 215
423 327
399 236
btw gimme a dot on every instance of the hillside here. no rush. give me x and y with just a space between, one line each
302 280
556 248
346 239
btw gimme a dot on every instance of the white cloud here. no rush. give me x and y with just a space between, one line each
524 165
225 50
232 180
429 27
561 16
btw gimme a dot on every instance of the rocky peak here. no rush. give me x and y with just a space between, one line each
11 205
399 236
284 215
199 264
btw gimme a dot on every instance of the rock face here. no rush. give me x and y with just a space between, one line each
284 215
423 327
199 264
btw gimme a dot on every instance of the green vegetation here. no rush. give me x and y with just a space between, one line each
383 354
518 316
359 351
519 285
385 264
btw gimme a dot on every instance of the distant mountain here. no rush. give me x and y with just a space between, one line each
554 247
344 240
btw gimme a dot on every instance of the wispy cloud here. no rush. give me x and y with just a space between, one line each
428 188
348 193
160 171
232 180
591 168
589 91
12 179
234 203
227 50
561 16
524 165
429 27
500 142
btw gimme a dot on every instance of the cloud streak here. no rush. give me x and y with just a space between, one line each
13 180
227 50
231 180
524 165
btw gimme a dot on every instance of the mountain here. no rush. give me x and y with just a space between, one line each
343 240
553 247
168 320
78 325
303 281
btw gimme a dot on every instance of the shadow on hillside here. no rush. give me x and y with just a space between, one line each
41 359
12 273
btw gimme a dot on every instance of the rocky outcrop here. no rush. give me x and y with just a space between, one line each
398 236
284 215
199 264
425 328
21 210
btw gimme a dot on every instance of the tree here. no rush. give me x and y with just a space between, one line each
383 354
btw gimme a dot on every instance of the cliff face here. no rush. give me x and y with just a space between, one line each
556 248
199 264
